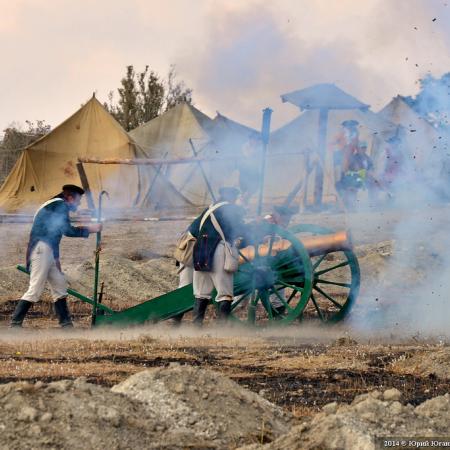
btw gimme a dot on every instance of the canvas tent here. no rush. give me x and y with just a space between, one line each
302 135
229 134
419 136
50 162
170 135
425 150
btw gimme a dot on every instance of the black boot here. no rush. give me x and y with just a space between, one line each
224 310
200 310
63 314
176 320
19 313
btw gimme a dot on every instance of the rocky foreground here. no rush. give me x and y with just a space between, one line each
181 407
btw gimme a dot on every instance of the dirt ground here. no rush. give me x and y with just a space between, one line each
301 368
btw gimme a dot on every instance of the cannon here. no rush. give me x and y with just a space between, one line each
310 272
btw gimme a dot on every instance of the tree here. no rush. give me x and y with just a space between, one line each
127 110
177 92
16 137
151 91
144 96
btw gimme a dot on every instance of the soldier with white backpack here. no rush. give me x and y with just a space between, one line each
215 256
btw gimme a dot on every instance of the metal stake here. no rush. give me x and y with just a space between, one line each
97 258
265 133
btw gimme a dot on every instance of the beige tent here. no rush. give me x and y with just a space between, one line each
425 150
301 135
419 136
171 134
229 134
50 162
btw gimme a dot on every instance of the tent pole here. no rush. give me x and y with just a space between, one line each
265 133
318 187
153 183
301 185
211 193
85 184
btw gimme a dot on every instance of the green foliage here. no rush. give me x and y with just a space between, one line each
144 96
176 92
16 136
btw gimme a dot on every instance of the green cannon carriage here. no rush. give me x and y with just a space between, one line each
310 271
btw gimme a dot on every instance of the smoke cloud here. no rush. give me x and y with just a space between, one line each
373 49
238 56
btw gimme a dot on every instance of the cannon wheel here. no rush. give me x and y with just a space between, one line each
336 280
286 276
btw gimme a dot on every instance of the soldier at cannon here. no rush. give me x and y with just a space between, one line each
50 223
215 255
281 215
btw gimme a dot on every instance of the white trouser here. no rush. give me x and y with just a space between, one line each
205 282
43 268
186 275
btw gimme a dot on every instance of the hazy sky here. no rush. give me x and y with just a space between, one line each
238 56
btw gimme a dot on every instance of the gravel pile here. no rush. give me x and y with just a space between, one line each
127 282
177 407
370 416
205 402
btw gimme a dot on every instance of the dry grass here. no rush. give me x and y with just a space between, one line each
299 376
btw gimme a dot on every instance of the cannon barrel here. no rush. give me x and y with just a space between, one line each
314 245
326 243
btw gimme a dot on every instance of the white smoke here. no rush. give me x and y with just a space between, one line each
257 50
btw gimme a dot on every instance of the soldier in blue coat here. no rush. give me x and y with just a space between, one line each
50 223
209 252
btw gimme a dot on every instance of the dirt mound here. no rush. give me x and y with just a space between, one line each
370 416
75 415
126 281
209 404
175 407
430 363
374 259
12 283
393 262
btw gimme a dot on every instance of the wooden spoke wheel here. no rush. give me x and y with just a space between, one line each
275 285
336 279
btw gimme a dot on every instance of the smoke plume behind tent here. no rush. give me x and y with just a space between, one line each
373 49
